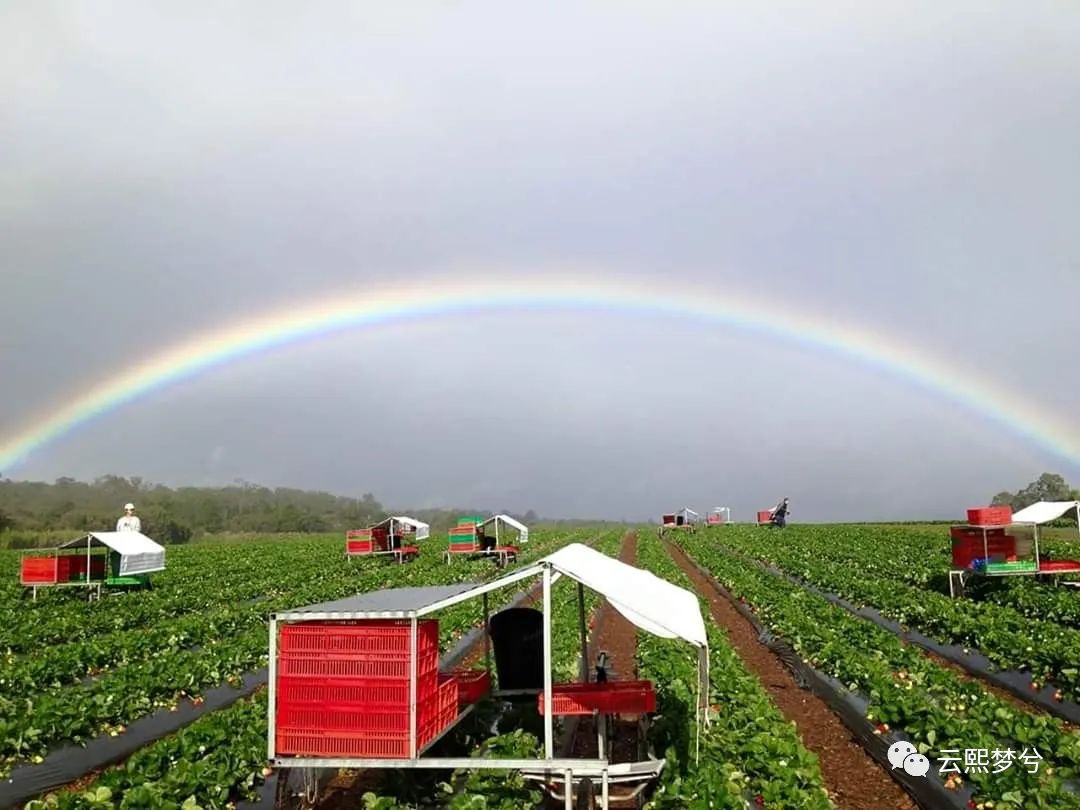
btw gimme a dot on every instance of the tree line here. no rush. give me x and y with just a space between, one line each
36 512
1047 487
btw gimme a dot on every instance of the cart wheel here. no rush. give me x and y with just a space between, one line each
586 795
282 799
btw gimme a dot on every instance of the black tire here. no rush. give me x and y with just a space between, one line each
586 795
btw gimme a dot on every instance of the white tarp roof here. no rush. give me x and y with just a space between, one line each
523 530
422 529
1044 511
651 603
138 553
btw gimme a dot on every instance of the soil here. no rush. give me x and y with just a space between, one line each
853 778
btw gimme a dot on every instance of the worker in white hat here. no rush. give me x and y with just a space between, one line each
130 521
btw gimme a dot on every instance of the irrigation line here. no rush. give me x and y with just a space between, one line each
928 792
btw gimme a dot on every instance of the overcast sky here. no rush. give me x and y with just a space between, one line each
912 168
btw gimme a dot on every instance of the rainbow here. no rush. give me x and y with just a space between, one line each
441 296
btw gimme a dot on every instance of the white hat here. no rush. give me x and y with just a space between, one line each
129 506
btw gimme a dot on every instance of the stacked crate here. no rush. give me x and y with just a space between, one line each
463 538
358 541
983 542
343 689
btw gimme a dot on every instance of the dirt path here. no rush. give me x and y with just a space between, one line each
854 780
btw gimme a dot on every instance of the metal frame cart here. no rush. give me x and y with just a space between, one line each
93 561
719 516
982 548
471 538
684 520
355 683
393 536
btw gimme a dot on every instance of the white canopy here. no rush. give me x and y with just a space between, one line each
423 530
138 553
686 512
1046 511
651 603
522 529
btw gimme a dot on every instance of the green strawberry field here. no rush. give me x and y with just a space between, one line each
73 671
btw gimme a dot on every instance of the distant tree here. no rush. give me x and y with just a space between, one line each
530 517
1003 499
5 521
1047 487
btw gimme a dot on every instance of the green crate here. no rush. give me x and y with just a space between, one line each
1004 568
470 520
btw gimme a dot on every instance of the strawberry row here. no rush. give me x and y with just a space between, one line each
933 707
748 747
221 757
1007 637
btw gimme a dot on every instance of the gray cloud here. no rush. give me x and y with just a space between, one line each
909 167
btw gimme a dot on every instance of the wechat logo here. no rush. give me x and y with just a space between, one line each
904 755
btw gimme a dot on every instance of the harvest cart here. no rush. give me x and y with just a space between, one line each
719 516
356 683
94 561
685 519
475 537
983 548
396 537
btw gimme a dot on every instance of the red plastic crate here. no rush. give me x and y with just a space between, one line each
462 548
443 710
764 517
355 732
369 665
990 516
614 697
342 744
355 716
313 690
1058 565
967 532
968 547
473 684
358 546
38 571
384 637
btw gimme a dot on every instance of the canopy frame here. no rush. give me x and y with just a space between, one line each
1042 512
522 529
550 569
133 548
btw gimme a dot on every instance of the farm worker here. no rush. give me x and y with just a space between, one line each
780 513
130 521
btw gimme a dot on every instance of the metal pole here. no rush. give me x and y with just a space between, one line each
549 732
487 635
584 635
568 798
412 689
271 690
